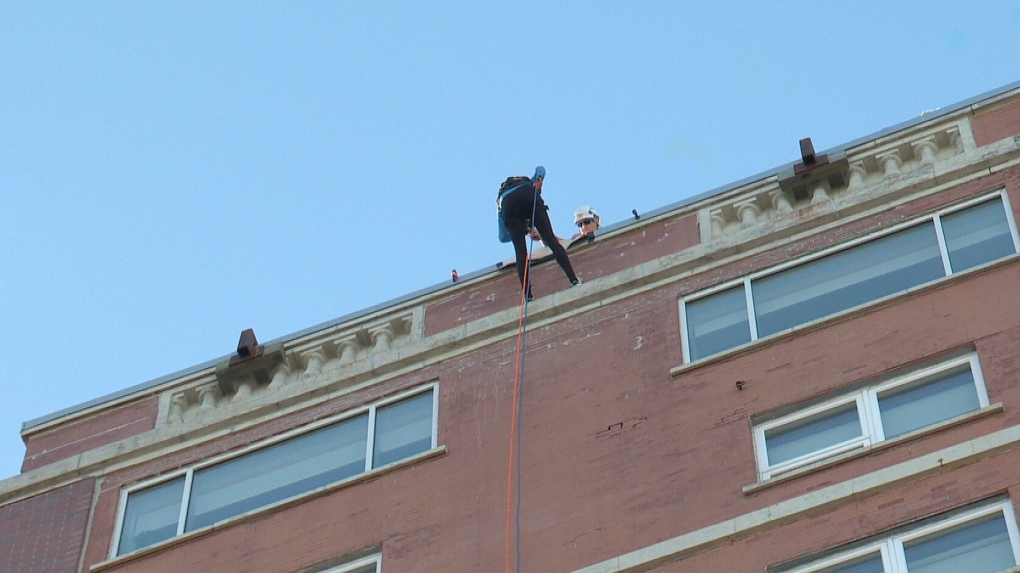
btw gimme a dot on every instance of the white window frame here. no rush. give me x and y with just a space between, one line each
748 305
189 472
891 547
935 219
869 415
359 563
767 471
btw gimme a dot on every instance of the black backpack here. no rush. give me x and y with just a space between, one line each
511 183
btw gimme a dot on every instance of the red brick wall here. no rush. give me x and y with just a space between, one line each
44 534
676 463
98 430
610 256
998 123
860 520
616 453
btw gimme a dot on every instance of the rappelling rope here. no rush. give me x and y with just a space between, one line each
515 417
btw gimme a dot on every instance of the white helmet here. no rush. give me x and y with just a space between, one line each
585 212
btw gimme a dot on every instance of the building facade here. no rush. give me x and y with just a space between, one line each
812 370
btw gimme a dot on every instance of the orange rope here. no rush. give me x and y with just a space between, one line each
514 414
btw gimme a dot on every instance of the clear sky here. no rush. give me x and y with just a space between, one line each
172 173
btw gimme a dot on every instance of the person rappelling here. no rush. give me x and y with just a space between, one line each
521 209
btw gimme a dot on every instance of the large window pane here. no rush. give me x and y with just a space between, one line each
403 429
717 323
811 434
846 279
914 406
867 564
975 547
151 515
977 235
278 472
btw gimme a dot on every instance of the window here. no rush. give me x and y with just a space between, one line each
982 540
383 433
812 289
718 322
402 429
151 515
869 415
278 472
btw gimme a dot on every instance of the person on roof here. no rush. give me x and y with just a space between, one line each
522 208
587 221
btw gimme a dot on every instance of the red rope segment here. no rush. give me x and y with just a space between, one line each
514 413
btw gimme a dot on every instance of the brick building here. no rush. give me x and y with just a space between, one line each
811 370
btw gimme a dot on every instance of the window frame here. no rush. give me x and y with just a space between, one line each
766 471
869 415
890 545
934 219
357 564
189 472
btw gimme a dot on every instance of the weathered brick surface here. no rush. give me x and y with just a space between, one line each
45 533
610 256
997 123
868 518
616 453
103 428
609 464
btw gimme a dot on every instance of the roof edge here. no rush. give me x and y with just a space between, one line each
150 385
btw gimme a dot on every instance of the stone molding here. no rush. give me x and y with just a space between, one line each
753 209
307 359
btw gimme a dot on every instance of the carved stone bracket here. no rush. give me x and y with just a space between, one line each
382 335
747 211
780 201
280 375
857 173
820 192
890 162
208 394
347 348
313 359
925 149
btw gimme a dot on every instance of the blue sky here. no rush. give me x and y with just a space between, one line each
172 173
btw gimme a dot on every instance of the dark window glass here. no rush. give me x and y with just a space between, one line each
812 434
151 515
908 408
403 429
846 279
976 547
277 472
977 235
717 322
